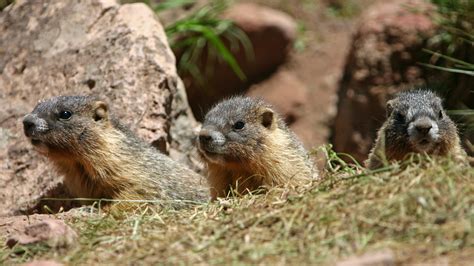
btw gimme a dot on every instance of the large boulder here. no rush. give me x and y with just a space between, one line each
271 34
98 47
383 60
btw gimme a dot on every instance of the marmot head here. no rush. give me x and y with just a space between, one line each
235 130
417 119
63 125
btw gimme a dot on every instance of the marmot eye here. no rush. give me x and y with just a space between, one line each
239 125
65 115
440 114
399 117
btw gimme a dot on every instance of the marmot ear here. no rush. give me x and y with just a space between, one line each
389 107
101 111
268 118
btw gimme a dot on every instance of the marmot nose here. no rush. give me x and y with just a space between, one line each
29 125
205 136
423 128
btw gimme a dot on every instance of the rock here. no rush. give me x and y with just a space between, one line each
43 263
383 60
98 47
285 92
381 258
54 233
271 34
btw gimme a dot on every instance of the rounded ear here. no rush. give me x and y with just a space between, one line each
268 118
101 111
389 107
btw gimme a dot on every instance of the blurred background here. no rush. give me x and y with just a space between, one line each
328 66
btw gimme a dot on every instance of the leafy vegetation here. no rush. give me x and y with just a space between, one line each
456 35
5 3
344 8
203 34
452 53
456 18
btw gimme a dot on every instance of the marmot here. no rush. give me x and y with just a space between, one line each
246 146
102 159
416 123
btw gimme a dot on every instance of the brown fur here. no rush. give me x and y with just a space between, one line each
381 154
393 144
270 157
99 158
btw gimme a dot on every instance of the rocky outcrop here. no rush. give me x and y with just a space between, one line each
271 34
120 53
383 60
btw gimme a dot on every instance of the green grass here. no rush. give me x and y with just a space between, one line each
5 3
456 19
344 8
450 53
421 211
204 34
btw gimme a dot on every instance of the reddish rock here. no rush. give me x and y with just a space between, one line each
117 52
54 233
383 60
271 34
285 92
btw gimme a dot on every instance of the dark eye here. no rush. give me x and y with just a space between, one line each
239 125
399 117
65 115
440 114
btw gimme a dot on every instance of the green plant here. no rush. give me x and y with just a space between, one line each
169 4
451 51
343 8
5 3
335 162
203 33
456 18
456 65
